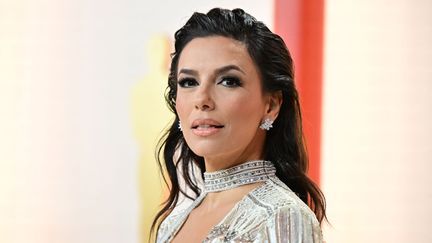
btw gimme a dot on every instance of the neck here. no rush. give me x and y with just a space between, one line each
243 174
254 150
227 160
231 184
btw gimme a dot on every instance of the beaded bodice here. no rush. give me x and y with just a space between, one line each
269 213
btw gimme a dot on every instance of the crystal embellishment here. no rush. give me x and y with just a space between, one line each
266 124
243 174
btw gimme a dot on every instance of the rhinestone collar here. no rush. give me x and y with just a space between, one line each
243 174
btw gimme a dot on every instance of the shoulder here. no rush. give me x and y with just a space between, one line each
174 219
276 196
288 219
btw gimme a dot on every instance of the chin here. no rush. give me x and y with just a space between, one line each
205 152
207 149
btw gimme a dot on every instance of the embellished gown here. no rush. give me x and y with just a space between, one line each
269 213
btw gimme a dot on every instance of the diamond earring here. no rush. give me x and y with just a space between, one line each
266 124
179 126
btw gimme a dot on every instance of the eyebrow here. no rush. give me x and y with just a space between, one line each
216 72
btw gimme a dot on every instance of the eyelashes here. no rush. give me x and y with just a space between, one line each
187 82
227 81
230 81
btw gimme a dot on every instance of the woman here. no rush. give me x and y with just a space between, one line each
238 119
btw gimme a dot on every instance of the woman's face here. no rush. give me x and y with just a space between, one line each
220 101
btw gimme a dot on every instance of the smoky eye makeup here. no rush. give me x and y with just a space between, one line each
187 82
230 81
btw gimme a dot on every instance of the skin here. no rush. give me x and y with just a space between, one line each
218 80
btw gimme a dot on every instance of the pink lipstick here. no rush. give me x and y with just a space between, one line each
206 127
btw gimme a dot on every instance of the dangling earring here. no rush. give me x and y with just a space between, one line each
266 124
179 126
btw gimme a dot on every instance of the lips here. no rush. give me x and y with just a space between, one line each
206 123
206 127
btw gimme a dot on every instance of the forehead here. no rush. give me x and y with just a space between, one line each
208 53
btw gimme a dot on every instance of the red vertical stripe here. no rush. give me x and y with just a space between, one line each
300 24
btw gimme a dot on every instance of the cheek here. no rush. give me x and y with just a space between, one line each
181 106
244 116
245 112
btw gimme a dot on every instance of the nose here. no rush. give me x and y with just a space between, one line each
203 99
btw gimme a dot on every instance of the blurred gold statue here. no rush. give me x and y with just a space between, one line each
150 115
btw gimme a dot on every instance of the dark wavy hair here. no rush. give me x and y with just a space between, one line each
284 144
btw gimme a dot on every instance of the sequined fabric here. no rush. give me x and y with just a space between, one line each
269 213
243 174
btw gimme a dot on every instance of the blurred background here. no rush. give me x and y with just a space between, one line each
81 109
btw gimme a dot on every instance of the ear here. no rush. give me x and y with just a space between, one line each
274 103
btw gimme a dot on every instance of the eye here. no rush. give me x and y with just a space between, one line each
187 82
230 82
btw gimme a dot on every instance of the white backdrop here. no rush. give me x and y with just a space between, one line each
68 159
377 116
